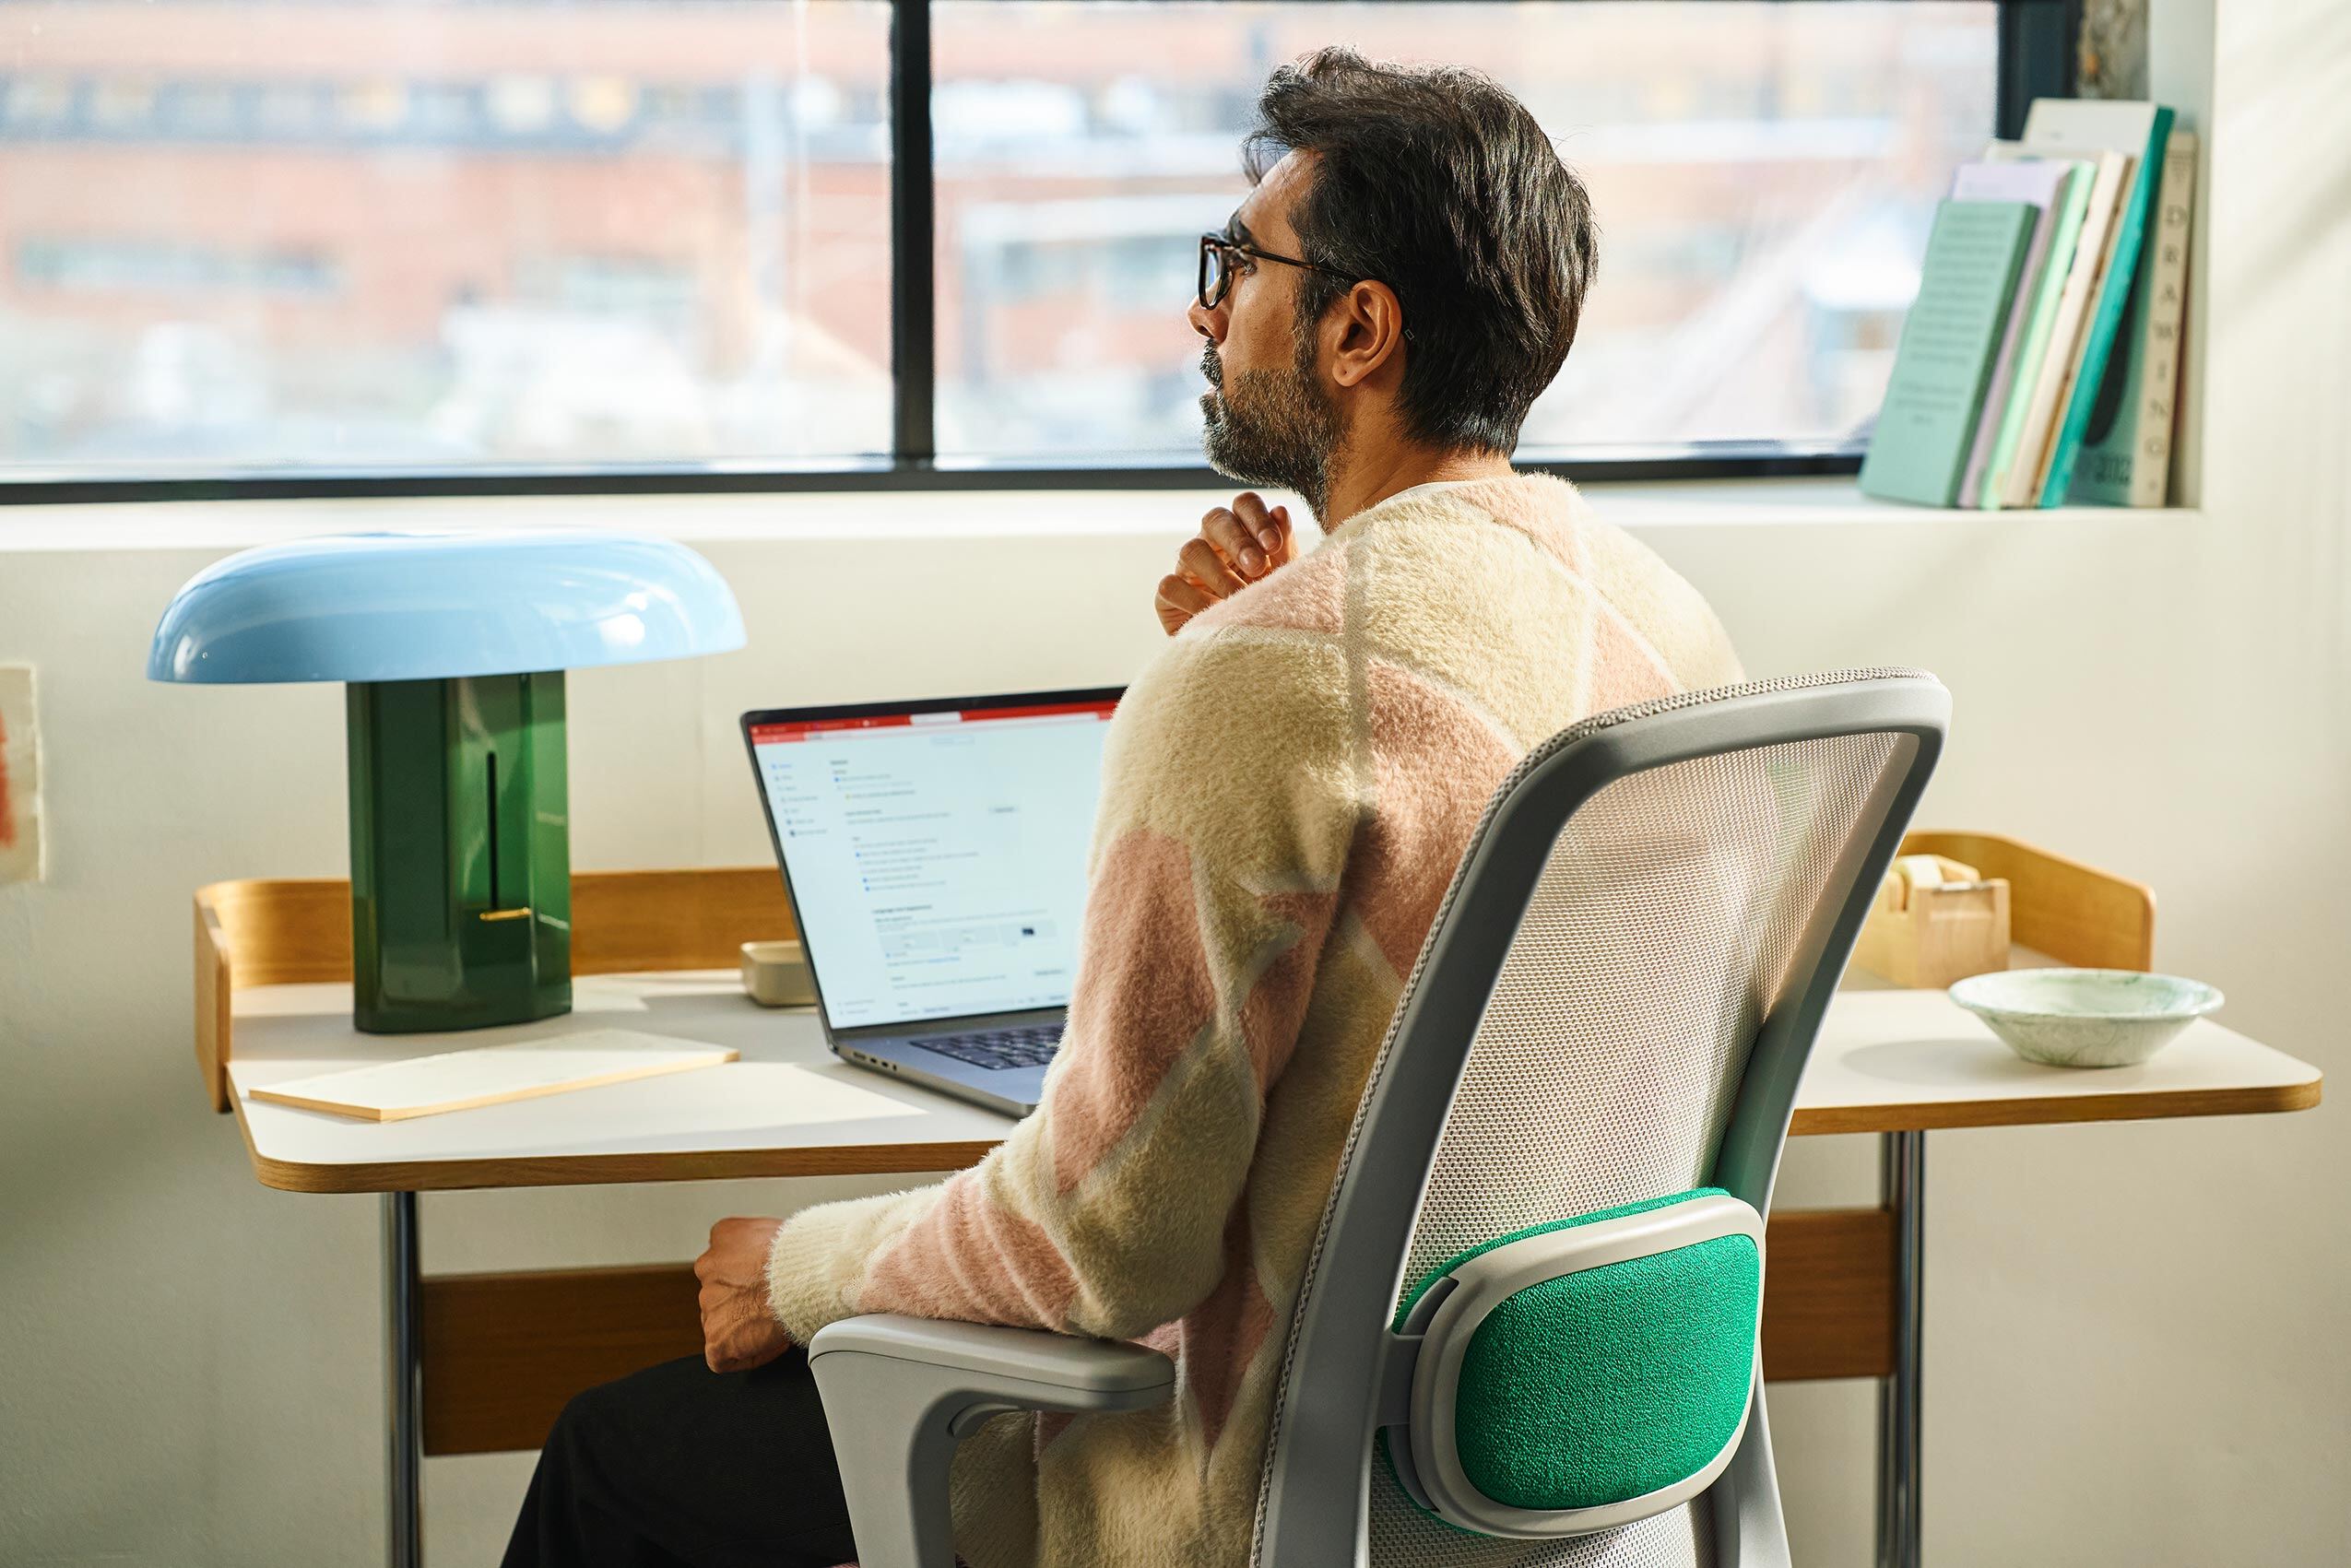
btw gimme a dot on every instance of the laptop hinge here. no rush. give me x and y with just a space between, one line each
922 1028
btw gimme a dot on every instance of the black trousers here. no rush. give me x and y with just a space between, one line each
679 1467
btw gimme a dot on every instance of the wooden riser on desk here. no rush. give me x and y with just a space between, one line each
298 931
504 1352
2077 914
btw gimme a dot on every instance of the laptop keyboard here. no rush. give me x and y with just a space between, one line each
998 1048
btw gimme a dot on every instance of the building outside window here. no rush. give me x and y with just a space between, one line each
482 236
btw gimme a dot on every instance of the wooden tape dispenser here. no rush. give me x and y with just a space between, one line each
1935 921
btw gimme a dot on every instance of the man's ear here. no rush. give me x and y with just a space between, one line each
1367 323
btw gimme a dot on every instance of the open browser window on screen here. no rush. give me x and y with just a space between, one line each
935 860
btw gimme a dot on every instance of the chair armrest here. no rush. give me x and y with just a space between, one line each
1083 1368
901 1392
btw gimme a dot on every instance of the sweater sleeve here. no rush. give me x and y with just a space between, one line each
1227 809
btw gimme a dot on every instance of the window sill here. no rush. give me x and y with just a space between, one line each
1107 513
1814 502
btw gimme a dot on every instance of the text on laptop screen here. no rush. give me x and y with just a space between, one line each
938 860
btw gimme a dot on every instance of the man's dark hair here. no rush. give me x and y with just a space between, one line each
1438 182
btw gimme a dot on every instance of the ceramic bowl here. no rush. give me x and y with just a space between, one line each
2085 1017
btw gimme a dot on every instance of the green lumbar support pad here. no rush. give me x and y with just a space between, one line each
1611 1383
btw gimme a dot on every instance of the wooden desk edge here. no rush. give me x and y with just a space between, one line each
608 1170
2056 1111
923 1159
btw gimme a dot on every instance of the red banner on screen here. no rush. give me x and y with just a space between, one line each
810 729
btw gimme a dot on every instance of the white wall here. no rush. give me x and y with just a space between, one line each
2135 1333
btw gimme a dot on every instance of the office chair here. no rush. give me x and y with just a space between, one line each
1527 1331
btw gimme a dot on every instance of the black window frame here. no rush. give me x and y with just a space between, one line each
2036 58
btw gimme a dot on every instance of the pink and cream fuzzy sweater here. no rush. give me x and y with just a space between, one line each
1286 791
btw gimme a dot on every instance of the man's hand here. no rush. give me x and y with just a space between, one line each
1237 545
738 1331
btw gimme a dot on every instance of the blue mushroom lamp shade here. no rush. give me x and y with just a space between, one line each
454 648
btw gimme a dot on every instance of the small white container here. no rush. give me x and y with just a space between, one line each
775 974
2086 1017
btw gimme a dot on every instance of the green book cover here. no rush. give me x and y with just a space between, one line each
1919 450
2126 450
2040 319
2114 293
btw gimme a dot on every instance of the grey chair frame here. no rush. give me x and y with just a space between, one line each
900 1392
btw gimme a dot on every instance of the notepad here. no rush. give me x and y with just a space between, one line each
1918 450
492 1075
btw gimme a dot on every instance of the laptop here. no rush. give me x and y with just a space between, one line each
935 855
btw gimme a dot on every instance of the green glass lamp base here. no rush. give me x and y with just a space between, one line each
461 858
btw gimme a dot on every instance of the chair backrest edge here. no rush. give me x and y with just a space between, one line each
1308 1515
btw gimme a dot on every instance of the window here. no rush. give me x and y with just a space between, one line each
432 235
1764 175
460 245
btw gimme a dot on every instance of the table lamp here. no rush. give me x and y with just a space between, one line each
452 647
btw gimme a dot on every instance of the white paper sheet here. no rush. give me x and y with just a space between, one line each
491 1075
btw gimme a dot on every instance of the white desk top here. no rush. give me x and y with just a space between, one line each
1886 1061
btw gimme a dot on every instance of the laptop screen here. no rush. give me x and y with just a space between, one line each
936 854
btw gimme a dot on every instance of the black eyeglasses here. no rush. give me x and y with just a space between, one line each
1222 257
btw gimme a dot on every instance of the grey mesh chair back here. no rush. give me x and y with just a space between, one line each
1615 1004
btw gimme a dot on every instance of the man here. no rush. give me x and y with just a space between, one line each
1286 792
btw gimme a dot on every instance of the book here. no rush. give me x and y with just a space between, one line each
2067 127
1918 450
2020 482
2050 186
492 1075
2126 452
2008 405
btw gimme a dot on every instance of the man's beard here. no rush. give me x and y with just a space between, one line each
1274 427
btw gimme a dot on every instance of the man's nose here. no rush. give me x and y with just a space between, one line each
1207 322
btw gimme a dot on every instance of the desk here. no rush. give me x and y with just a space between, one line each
1844 1296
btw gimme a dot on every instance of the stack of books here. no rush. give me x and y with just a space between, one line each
2040 362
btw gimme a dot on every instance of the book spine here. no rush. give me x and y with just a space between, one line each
2074 199
2113 293
2167 313
2037 427
2020 306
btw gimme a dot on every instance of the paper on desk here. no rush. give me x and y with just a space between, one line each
491 1075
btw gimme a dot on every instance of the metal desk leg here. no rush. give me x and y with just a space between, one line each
403 1385
1902 1177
